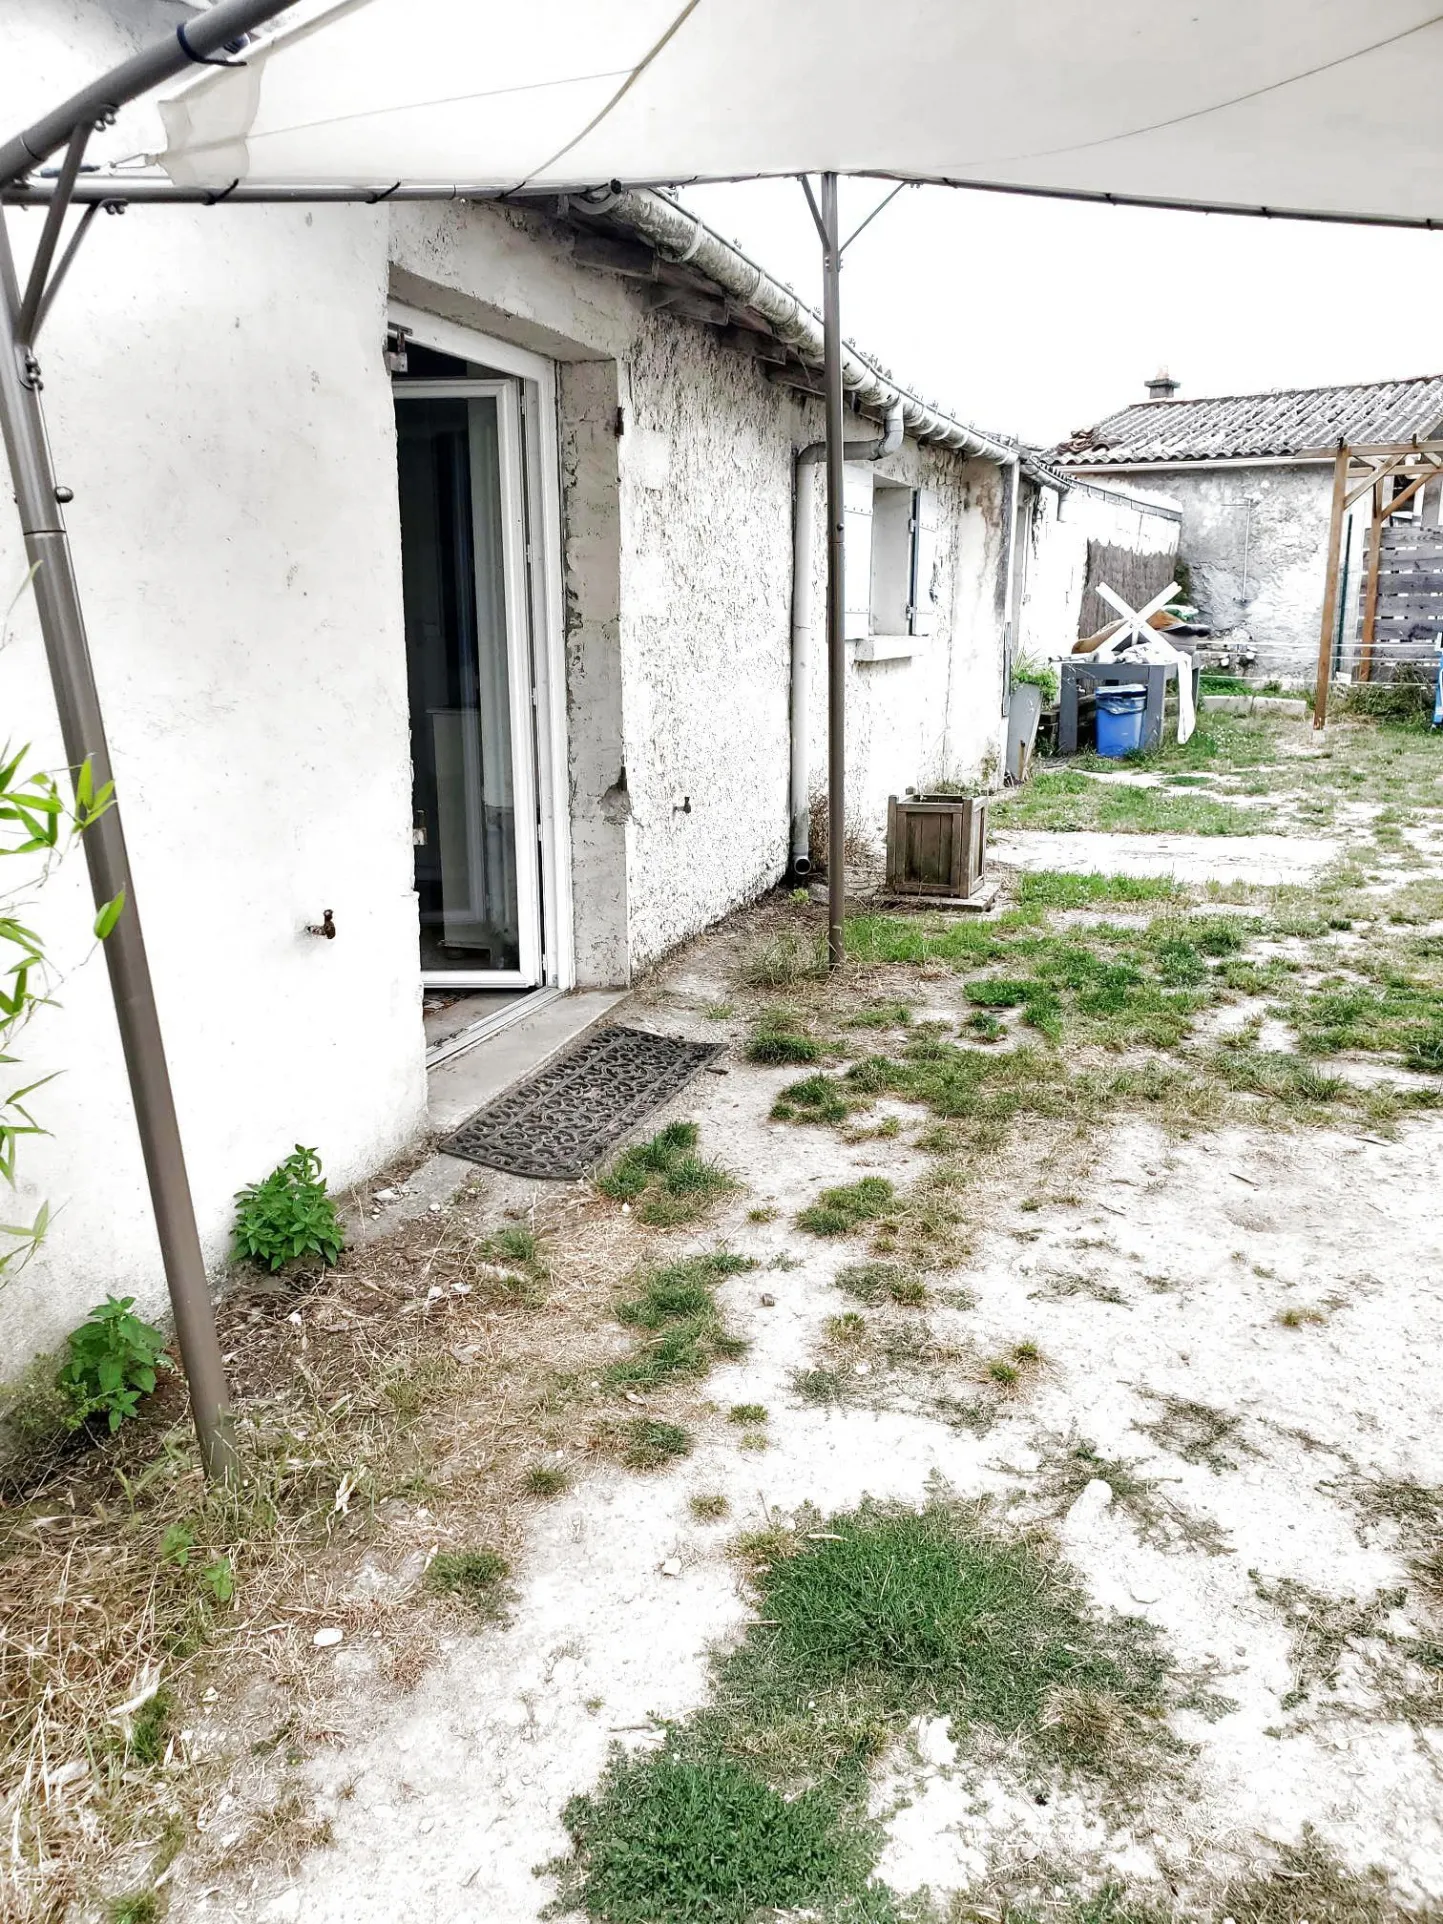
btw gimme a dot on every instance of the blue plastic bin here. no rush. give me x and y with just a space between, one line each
1119 720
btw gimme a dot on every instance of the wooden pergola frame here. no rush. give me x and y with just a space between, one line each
1356 472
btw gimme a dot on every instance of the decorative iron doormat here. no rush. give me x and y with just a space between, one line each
560 1122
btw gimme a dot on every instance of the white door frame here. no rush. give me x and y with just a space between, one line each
538 696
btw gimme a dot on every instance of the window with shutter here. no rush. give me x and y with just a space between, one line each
857 549
927 520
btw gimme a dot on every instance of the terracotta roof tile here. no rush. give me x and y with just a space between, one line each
1235 426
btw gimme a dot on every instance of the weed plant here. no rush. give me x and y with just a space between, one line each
113 1360
289 1216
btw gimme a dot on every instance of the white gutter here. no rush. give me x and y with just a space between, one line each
804 528
681 238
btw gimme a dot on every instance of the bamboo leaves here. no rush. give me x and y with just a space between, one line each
36 822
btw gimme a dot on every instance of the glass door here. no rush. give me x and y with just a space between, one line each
463 560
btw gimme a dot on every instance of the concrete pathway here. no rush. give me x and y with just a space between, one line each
1265 859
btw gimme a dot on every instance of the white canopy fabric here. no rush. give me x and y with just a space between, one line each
1308 106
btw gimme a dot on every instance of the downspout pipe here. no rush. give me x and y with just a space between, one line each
804 534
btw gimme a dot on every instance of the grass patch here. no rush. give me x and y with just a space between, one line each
780 1035
781 961
757 1803
1068 799
778 1048
475 1576
546 1480
884 1614
709 1506
650 1445
882 1283
882 1015
703 1840
675 1306
816 1098
747 1413
1058 890
1401 1014
841 1211
136 1907
666 1178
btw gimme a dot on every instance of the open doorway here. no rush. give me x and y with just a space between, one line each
475 604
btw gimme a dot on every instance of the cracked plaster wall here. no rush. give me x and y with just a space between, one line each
1275 520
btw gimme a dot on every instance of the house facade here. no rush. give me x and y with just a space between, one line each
441 566
1253 476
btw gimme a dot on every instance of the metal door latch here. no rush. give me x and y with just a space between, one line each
326 926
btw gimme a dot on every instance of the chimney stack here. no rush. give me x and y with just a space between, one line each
1162 386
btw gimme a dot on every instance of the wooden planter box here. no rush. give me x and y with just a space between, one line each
936 845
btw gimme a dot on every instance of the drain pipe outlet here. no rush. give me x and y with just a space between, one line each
803 541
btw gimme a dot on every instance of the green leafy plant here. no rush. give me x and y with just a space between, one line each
35 823
288 1216
218 1576
1028 671
115 1359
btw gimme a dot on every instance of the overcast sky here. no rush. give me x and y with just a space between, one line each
1035 317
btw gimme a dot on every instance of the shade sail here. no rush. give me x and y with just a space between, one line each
1320 106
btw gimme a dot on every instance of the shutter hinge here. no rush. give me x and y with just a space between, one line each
397 339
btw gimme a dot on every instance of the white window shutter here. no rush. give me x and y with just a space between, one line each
857 549
924 557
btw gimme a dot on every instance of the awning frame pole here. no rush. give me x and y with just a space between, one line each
836 622
203 40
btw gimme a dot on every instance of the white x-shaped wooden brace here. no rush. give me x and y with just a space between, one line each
1134 621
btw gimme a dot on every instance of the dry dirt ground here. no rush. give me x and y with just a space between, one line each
1230 1318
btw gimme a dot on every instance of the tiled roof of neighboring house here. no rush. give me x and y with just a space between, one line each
1235 426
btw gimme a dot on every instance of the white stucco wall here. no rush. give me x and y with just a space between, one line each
1054 554
216 402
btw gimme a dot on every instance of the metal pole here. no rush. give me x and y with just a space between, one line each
836 632
82 729
1330 589
197 40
